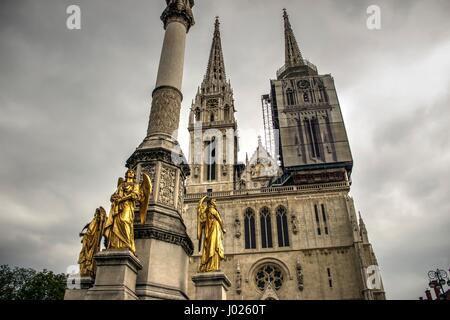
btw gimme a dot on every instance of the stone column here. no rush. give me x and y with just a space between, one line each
211 286
167 96
162 244
116 276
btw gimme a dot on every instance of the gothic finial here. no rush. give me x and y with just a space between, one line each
361 221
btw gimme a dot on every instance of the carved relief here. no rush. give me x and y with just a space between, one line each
196 171
179 10
167 186
224 169
299 275
237 226
181 196
294 222
238 279
165 113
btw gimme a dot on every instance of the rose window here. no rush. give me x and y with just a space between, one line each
269 274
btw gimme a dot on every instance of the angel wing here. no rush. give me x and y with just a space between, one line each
101 227
120 181
201 216
146 187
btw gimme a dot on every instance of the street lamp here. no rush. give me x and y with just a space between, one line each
438 278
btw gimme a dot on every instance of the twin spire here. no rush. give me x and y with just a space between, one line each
293 56
216 65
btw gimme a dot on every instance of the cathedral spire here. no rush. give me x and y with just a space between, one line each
363 230
292 51
216 65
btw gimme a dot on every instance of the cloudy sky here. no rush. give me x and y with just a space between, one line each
75 104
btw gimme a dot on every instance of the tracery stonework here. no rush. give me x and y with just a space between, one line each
165 113
180 195
167 186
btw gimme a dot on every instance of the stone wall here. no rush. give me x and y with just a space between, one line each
314 253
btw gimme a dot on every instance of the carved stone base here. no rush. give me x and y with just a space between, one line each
164 249
116 276
162 244
85 283
211 286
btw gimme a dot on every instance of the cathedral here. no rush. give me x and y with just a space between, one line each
283 223
292 228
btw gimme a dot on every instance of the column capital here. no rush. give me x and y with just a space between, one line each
179 10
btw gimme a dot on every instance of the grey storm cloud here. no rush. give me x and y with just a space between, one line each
75 104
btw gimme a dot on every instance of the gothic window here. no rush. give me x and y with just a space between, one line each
211 160
330 279
316 212
197 114
250 230
226 113
282 227
211 118
316 136
324 216
269 274
266 228
306 97
312 131
290 97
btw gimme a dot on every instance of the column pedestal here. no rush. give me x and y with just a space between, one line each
116 276
211 286
162 244
79 293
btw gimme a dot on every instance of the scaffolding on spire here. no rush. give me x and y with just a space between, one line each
269 137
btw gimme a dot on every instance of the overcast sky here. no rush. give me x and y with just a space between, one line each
74 105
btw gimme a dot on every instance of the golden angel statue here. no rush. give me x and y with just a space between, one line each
119 230
91 238
210 229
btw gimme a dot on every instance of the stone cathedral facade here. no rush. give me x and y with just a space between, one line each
292 227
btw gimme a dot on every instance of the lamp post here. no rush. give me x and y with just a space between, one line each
438 279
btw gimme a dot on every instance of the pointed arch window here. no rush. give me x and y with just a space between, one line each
290 97
197 114
250 230
211 160
306 97
282 227
313 134
211 117
266 228
227 113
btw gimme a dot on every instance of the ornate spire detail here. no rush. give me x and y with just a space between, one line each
216 66
363 230
292 51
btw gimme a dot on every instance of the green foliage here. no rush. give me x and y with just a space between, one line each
28 284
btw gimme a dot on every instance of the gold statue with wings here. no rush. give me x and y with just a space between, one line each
119 231
210 231
91 239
